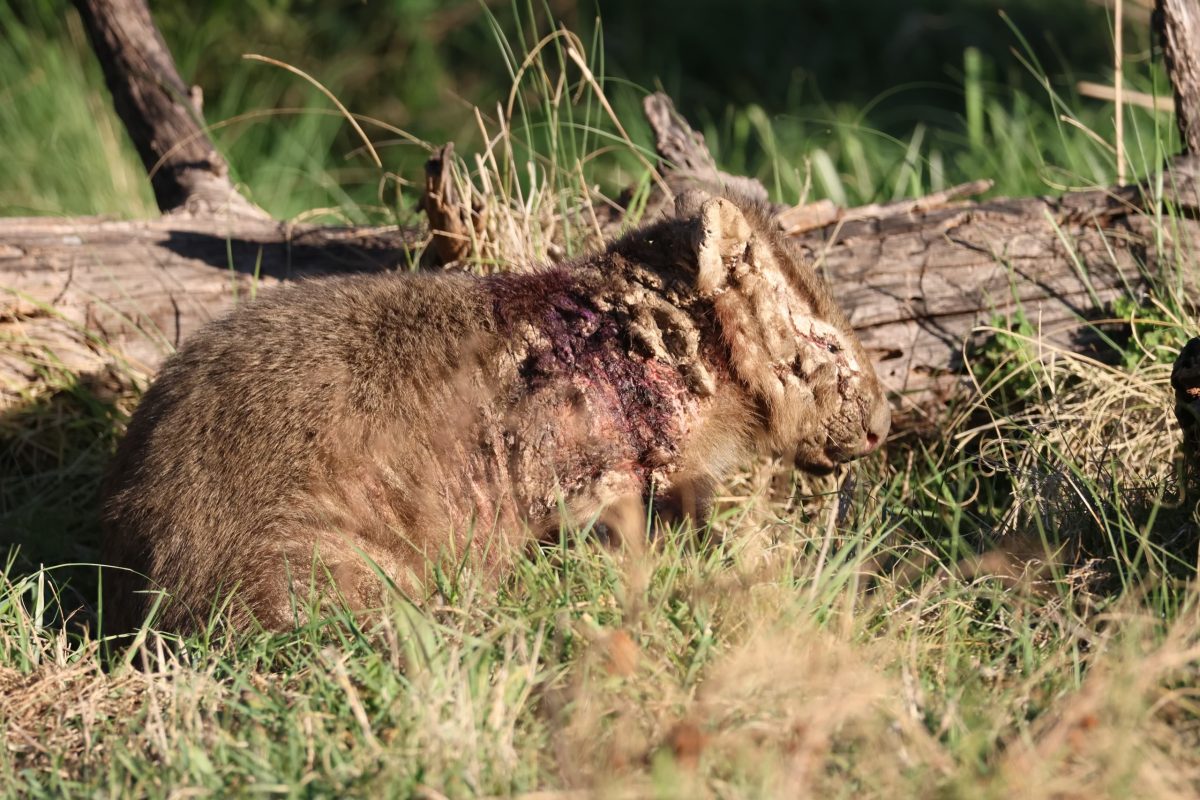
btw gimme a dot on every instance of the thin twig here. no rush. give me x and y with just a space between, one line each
1100 91
1117 88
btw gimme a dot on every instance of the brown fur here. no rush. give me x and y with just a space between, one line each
384 424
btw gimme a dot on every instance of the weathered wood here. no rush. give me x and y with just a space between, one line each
1178 24
915 283
161 114
454 222
684 156
82 294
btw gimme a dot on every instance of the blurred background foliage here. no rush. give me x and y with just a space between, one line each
856 100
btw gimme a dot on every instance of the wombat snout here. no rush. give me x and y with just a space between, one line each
878 425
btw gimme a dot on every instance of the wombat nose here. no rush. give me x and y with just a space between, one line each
877 427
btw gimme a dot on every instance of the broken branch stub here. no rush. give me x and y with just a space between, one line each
454 224
685 158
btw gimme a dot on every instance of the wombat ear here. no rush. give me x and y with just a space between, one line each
723 234
689 203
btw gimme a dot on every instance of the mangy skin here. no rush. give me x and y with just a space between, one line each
389 422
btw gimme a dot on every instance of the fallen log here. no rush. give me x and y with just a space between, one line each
916 277
80 295
915 281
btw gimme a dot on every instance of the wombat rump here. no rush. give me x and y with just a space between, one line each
340 434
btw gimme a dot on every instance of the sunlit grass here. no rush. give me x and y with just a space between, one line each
1005 609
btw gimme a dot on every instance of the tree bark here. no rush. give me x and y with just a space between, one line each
161 114
81 295
1178 25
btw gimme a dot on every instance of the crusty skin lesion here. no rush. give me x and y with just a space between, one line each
345 433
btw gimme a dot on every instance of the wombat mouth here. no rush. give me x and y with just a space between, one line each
821 464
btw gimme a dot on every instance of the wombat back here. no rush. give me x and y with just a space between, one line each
213 484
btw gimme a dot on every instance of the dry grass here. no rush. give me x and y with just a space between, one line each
1007 611
733 670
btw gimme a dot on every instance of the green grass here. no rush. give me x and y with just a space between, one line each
1007 609
856 656
994 109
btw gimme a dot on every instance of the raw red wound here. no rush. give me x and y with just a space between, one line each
630 396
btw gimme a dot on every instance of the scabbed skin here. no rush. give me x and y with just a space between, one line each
341 428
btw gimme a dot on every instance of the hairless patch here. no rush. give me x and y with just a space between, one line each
634 397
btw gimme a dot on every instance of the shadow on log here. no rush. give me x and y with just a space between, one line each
79 294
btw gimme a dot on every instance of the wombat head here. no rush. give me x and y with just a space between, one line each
789 343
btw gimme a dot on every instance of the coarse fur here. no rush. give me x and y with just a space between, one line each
339 430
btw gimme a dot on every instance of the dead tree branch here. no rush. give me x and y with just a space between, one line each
161 114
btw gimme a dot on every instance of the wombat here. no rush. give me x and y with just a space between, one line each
340 431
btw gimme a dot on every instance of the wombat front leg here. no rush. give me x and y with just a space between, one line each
622 524
614 507
688 501
326 569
